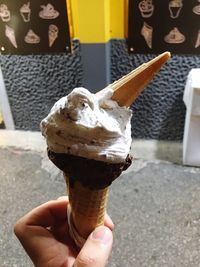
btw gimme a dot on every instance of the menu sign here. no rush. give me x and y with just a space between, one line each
160 25
33 27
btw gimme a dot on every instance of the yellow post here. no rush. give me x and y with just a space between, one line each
94 23
97 21
118 18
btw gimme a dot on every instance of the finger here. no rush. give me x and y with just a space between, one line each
96 250
46 214
31 229
108 222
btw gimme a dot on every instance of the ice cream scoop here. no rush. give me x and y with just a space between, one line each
89 125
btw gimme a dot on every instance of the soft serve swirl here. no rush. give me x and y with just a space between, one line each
89 125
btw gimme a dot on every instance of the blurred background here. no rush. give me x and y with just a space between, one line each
96 43
49 47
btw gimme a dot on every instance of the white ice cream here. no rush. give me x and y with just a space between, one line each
89 125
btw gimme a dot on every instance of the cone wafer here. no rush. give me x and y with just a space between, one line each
88 207
127 89
88 192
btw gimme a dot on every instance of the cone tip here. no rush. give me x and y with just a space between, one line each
138 79
167 54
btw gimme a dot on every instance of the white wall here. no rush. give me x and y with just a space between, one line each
4 105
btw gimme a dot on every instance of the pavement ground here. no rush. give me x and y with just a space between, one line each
155 204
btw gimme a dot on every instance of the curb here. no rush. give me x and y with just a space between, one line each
140 149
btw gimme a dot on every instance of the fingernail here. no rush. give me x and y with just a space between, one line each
102 234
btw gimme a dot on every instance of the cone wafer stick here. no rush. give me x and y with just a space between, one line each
127 89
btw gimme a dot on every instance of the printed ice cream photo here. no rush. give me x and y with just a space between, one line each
174 37
53 34
146 8
147 33
4 13
197 44
196 8
31 37
25 12
175 7
48 12
10 34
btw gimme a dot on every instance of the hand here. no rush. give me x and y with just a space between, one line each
44 234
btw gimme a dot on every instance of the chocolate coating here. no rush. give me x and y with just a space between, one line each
91 173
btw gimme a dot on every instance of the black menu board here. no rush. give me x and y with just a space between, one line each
164 25
34 27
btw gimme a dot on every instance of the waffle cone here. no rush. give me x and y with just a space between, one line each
128 88
88 208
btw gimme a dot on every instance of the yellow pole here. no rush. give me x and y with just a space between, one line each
97 21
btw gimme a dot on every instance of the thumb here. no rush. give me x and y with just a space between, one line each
96 250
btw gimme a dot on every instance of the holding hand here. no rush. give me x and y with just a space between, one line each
44 234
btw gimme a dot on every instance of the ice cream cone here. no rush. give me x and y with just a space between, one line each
127 89
88 178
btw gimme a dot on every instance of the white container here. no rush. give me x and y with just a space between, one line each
191 140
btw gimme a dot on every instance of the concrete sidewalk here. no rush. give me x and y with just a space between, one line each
155 205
